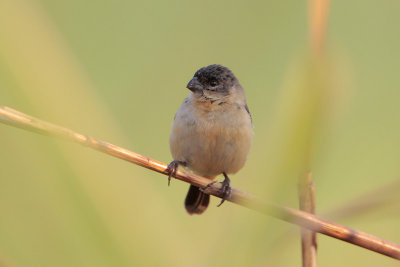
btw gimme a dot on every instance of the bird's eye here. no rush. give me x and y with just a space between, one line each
213 83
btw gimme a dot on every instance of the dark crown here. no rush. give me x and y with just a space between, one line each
215 74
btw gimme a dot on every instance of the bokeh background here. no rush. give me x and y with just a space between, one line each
117 70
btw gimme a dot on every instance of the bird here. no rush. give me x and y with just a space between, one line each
211 133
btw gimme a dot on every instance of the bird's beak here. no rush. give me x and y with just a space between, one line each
194 85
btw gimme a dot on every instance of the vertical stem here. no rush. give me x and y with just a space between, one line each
318 18
307 203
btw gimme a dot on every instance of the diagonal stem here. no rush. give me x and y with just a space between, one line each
316 224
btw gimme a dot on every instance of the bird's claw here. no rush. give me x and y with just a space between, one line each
171 170
226 189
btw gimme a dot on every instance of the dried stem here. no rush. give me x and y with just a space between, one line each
307 204
15 118
318 18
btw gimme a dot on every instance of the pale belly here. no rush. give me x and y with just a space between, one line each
213 144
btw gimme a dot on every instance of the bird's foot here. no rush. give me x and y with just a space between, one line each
172 169
226 189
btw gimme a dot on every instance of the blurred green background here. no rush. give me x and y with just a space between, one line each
117 70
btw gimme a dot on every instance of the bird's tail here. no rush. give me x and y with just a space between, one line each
196 202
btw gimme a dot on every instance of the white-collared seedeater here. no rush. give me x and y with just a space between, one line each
212 131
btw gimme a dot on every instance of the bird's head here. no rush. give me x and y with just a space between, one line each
213 82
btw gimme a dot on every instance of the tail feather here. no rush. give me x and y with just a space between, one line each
196 202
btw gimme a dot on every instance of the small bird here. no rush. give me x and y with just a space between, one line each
212 132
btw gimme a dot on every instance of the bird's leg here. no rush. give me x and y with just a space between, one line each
173 167
226 189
